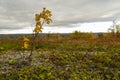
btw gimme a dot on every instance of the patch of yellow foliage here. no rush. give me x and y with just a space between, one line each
26 43
44 16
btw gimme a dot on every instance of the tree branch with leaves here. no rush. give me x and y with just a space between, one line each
42 18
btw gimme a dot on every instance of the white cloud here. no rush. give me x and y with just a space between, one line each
20 14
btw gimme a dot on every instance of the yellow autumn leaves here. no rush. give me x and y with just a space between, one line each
44 16
26 43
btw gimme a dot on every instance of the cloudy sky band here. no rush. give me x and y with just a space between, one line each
19 15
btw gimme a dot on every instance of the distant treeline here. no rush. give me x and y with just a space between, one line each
40 35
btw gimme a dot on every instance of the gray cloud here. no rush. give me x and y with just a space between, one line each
20 14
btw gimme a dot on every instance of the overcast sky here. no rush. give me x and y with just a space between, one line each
17 16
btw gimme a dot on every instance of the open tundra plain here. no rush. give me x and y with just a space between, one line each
76 56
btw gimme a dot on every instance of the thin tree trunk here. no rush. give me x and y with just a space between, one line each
34 36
